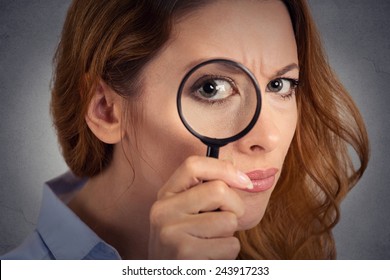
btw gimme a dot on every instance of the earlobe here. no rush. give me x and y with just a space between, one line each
104 114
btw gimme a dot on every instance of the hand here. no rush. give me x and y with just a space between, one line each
184 223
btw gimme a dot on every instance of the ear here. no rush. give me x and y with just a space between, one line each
104 114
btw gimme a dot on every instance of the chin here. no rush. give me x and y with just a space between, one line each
256 206
249 222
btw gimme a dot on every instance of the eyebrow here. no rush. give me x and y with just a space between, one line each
287 69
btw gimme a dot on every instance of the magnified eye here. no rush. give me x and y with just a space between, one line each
282 86
213 89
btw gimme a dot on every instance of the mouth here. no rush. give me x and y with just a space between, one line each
262 180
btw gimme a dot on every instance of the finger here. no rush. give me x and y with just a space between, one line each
197 169
211 225
206 197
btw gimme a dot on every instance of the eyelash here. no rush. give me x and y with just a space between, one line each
294 85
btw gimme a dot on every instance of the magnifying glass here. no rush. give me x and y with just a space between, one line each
219 101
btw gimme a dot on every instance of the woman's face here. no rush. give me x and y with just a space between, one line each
257 34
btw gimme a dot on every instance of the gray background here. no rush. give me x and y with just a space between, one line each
356 36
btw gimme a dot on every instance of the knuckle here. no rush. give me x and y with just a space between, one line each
235 247
219 189
231 222
192 163
156 214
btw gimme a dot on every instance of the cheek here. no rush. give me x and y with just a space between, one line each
286 120
291 126
164 143
288 127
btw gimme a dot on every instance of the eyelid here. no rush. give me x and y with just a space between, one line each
289 68
209 77
295 80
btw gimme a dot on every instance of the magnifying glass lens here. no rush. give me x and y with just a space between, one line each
218 99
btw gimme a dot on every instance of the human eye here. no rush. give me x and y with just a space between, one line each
283 87
213 89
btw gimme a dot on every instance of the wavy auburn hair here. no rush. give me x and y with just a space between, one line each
114 39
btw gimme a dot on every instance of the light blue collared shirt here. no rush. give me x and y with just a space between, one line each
60 234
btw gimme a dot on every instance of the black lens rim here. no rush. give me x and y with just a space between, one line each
219 142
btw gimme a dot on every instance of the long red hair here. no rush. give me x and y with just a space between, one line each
113 40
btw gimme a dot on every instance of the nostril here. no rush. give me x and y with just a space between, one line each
256 148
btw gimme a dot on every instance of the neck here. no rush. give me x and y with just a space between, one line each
116 207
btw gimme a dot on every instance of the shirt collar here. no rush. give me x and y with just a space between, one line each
66 236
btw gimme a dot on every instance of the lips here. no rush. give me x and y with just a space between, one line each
262 180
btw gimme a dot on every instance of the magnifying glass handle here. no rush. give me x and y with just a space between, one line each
212 151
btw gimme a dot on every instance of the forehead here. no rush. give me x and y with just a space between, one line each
256 33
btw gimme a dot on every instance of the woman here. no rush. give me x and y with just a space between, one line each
140 186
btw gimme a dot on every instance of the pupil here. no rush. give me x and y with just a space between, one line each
277 84
209 89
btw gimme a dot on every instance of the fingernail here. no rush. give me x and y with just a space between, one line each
244 179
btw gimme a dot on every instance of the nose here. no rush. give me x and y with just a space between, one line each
265 135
